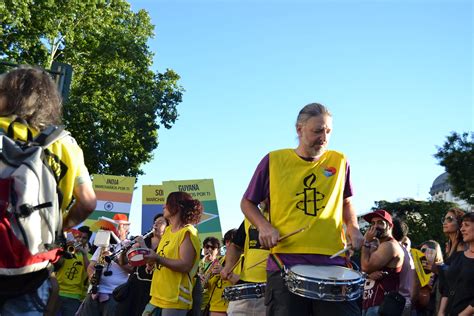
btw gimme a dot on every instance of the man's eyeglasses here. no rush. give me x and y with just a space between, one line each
448 219
210 247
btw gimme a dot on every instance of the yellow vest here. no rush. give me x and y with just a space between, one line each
171 289
307 194
67 161
253 254
72 277
216 289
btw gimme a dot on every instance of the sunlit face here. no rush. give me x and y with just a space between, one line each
210 250
314 134
467 231
450 224
381 226
159 226
123 231
82 238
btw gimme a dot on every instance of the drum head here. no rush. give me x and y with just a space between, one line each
136 256
326 272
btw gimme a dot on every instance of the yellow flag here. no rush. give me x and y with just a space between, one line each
422 275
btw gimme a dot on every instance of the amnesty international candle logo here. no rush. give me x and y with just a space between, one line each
310 197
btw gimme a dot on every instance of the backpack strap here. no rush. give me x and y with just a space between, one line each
50 135
11 132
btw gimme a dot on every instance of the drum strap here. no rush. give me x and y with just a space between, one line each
278 262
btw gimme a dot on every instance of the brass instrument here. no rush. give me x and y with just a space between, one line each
117 253
71 247
99 268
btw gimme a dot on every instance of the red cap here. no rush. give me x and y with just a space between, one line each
379 213
121 219
74 232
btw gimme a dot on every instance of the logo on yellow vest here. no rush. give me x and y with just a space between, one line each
311 197
330 171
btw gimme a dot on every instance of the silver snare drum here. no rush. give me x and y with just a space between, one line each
244 291
326 283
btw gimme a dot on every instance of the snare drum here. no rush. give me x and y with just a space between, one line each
244 291
136 256
327 283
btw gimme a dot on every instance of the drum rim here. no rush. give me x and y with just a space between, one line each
146 250
246 285
296 276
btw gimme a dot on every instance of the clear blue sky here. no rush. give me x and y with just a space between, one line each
397 76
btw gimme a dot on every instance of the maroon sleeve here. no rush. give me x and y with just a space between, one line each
259 187
348 192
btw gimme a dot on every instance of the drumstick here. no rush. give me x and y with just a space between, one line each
291 234
235 265
280 239
348 247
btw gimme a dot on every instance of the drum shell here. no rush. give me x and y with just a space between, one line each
244 291
325 289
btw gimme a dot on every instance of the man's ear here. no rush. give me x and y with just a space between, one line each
299 127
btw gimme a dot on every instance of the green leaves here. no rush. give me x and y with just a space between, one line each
457 156
116 102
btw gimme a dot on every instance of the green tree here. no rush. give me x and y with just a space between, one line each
116 102
422 217
457 157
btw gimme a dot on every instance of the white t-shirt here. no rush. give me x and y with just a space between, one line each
109 283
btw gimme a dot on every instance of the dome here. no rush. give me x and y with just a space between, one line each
440 184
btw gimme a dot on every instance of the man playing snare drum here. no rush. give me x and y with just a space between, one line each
308 188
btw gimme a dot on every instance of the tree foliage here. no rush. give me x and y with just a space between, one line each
116 102
422 217
457 157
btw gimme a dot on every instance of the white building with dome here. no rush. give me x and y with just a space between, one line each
441 191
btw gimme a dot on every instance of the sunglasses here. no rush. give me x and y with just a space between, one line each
448 219
210 247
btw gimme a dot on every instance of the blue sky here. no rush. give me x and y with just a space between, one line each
397 76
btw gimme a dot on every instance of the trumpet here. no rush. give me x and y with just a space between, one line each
71 247
117 253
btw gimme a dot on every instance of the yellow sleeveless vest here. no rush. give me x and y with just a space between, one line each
253 254
171 289
307 194
71 277
216 289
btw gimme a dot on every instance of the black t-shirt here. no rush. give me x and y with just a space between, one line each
459 283
239 237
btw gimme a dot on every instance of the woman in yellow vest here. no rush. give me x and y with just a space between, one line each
217 305
176 259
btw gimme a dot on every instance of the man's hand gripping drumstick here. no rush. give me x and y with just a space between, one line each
280 239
